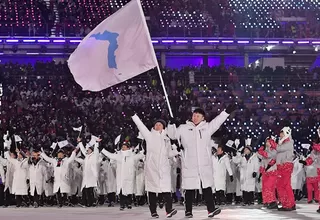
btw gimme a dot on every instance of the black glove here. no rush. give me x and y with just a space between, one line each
28 181
268 167
129 112
172 121
234 153
231 178
254 174
231 108
303 162
174 142
180 148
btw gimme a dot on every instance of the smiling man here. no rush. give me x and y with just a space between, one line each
197 168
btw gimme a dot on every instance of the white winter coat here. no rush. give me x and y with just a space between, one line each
61 174
48 186
76 178
196 162
297 174
37 174
174 166
140 179
111 177
231 186
157 165
258 184
220 168
247 168
20 175
90 167
2 174
126 164
103 178
237 180
8 175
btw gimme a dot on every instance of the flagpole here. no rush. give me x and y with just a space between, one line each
155 58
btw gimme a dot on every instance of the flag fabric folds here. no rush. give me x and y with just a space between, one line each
53 145
77 129
117 140
17 138
118 49
62 144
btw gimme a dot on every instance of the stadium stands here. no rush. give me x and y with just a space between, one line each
209 18
31 95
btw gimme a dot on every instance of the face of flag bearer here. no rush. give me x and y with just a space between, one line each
158 126
197 118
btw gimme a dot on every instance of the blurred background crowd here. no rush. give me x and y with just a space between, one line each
207 18
42 103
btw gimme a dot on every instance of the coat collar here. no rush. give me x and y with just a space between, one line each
200 125
162 134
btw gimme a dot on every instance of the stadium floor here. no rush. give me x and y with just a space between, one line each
304 211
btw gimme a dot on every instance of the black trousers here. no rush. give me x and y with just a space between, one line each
111 197
88 196
101 199
207 195
153 201
20 199
1 194
7 198
62 198
229 197
220 197
36 197
125 200
248 197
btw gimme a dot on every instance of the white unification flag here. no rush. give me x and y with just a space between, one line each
53 145
62 144
118 49
117 140
77 129
140 136
17 138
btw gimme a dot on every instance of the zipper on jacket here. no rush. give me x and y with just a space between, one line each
200 134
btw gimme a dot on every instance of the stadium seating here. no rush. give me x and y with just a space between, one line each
219 18
18 17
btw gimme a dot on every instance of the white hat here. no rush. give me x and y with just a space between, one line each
237 142
248 142
229 143
287 134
